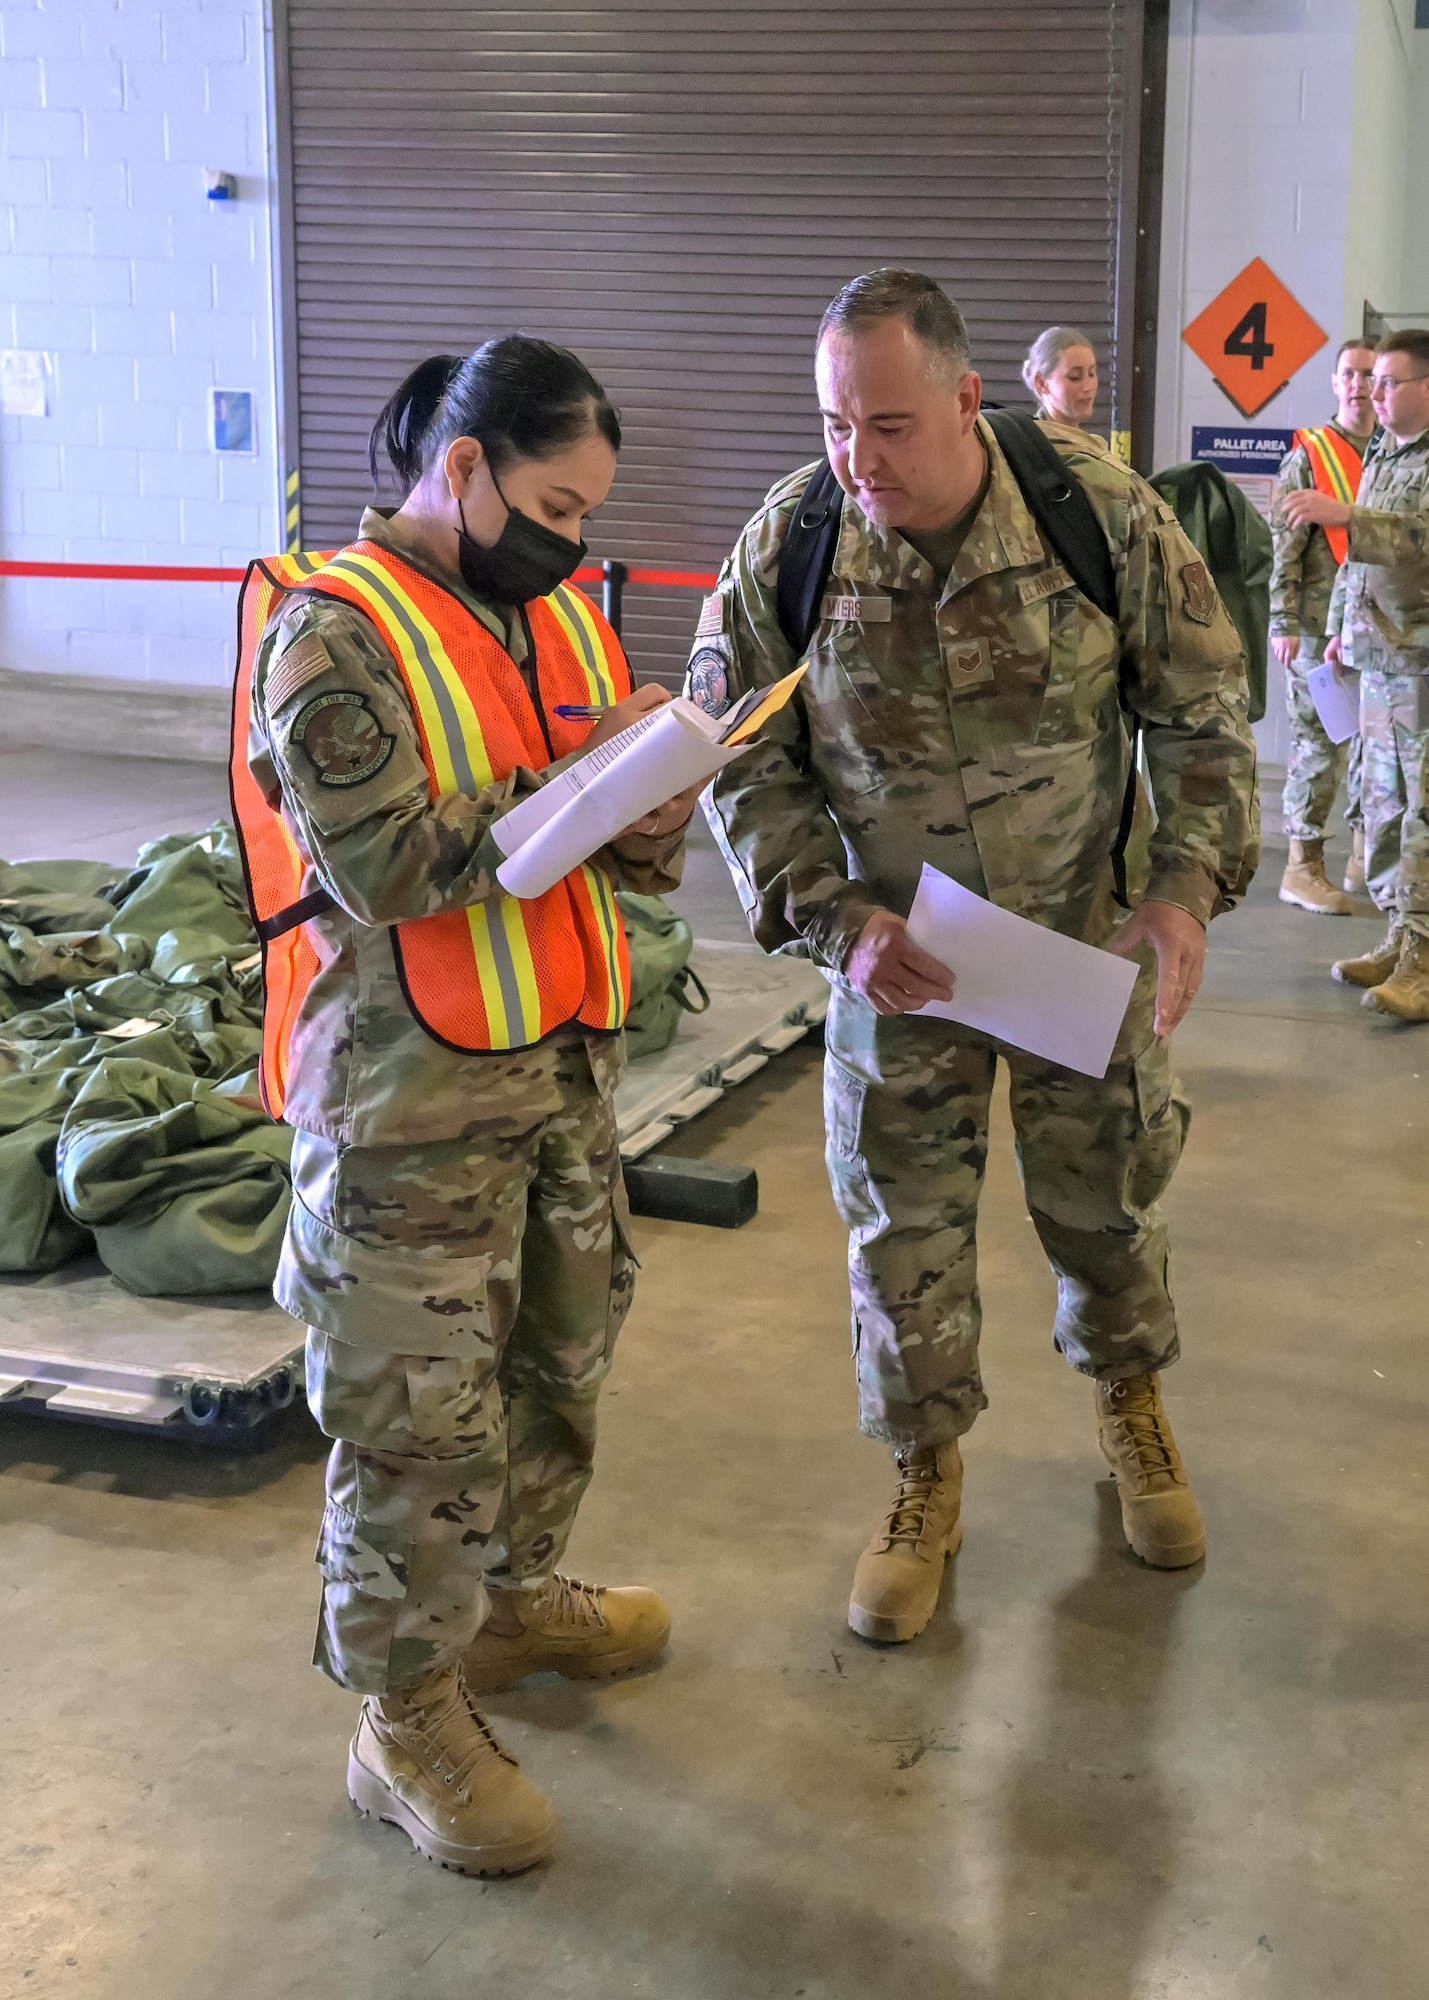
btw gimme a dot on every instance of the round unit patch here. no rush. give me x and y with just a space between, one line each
344 741
709 684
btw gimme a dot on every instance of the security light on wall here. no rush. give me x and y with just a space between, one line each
220 186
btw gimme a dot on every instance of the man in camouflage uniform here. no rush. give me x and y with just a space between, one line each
1379 625
458 1248
962 707
1301 586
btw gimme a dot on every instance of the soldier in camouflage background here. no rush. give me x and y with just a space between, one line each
961 707
458 1245
1379 625
1301 587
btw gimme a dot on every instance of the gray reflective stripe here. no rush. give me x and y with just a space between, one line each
583 638
506 969
456 742
461 764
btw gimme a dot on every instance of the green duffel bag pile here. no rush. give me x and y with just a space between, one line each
131 1015
663 984
130 1028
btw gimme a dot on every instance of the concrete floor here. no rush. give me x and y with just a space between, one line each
1087 1781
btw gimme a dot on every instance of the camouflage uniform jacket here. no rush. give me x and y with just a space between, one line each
1381 602
1303 579
363 1071
978 726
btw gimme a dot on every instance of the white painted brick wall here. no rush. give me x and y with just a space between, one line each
145 295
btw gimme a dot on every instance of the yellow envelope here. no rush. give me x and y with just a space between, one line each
773 701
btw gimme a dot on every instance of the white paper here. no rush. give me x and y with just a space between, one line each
563 824
23 382
1337 701
1048 994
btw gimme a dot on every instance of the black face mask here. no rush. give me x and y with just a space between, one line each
526 560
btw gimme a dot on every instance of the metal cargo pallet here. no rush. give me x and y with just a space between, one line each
74 1344
219 1370
758 1007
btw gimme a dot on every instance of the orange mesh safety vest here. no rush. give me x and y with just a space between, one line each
1335 466
503 973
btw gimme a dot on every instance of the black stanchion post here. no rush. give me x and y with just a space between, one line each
612 590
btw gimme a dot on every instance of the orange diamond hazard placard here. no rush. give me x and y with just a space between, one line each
1253 337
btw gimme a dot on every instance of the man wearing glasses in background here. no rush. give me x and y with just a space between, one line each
1379 626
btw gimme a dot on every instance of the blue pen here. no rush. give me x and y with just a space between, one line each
582 711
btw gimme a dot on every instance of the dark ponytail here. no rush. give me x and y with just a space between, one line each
517 396
405 418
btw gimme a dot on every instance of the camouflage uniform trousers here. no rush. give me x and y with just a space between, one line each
906 1110
1394 722
1313 764
451 1467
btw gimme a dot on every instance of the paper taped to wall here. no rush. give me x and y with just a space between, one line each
1051 995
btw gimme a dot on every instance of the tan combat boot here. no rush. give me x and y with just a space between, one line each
1159 1514
581 1630
425 1760
1354 867
896 1583
1305 883
1375 966
1405 994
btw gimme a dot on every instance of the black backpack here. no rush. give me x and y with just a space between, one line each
1065 520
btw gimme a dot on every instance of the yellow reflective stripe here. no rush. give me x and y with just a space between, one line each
607 916
449 719
1325 452
573 615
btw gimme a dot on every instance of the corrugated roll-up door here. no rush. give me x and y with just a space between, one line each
676 191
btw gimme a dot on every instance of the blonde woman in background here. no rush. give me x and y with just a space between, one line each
1061 372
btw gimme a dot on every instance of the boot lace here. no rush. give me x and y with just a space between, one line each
917 1477
456 1739
1146 1427
565 1600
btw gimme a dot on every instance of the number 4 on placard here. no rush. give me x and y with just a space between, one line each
1247 340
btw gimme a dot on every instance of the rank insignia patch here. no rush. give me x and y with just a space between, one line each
344 741
1198 593
709 683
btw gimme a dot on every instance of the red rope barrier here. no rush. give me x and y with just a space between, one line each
123 572
678 579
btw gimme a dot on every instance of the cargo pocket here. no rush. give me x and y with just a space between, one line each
844 1098
623 1264
370 1560
1162 1118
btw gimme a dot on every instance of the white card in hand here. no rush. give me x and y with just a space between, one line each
1051 995
1337 701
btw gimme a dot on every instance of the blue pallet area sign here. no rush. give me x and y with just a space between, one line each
1251 453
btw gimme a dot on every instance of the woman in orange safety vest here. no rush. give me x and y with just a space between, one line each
448 1055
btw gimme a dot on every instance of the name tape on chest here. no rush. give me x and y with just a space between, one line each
1033 589
856 610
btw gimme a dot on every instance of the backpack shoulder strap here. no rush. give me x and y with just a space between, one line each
1059 505
807 557
1067 523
